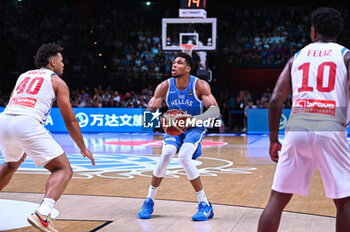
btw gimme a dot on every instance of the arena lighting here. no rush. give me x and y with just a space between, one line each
99 54
148 3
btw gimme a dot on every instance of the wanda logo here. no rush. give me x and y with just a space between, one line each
314 106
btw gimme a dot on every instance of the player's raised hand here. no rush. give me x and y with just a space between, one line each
275 146
86 153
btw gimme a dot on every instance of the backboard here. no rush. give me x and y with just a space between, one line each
197 31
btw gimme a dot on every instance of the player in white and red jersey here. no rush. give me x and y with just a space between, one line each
22 130
318 77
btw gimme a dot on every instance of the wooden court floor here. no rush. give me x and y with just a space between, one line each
236 173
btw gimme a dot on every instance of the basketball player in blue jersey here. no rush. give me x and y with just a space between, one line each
188 94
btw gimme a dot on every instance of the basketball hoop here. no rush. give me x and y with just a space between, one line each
187 48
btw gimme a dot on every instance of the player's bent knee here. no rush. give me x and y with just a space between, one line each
67 168
59 163
167 154
160 169
184 160
168 151
191 170
69 172
15 165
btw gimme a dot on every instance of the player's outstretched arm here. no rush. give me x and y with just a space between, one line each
158 97
204 92
71 122
282 89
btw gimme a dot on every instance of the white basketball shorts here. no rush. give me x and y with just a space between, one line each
303 151
19 134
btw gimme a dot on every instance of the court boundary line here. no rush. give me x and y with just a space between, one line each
260 137
101 226
222 204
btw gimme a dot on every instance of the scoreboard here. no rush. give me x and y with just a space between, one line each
192 9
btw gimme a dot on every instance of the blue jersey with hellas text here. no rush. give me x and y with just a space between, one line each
186 100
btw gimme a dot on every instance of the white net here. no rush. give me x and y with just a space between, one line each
187 48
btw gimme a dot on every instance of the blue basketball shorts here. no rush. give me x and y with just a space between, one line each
192 135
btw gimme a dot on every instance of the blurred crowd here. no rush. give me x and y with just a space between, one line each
267 36
99 97
109 44
102 45
113 56
234 110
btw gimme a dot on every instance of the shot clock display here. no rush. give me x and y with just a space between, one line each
192 4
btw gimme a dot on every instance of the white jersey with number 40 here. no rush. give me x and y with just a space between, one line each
320 83
33 95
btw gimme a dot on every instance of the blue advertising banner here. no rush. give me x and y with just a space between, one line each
100 120
258 122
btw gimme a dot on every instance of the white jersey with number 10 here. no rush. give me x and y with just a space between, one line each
320 83
33 95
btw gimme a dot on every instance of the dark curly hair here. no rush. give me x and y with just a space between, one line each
45 52
327 21
188 59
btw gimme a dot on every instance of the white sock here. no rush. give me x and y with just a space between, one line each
46 206
152 191
202 197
